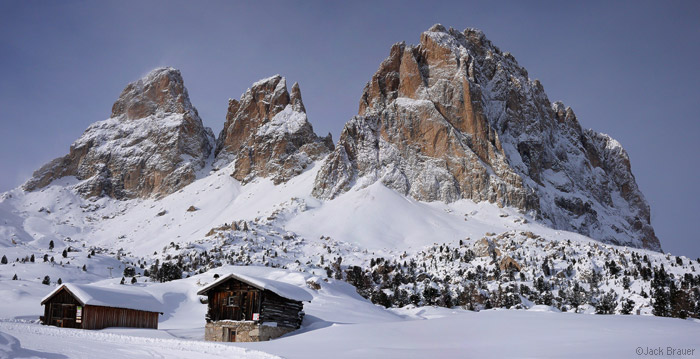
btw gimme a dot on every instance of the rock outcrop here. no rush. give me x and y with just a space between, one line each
454 117
267 133
153 144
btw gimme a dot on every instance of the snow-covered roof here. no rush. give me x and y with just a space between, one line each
282 289
126 298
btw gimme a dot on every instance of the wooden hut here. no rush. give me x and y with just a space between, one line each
243 308
91 307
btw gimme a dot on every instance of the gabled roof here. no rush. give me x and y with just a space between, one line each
127 298
282 289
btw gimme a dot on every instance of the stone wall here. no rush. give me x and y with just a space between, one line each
246 331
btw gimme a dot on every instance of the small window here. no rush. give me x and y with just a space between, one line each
232 301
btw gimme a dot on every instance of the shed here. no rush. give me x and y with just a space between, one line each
247 308
91 307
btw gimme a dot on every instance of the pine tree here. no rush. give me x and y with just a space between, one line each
577 297
681 304
59 281
46 281
84 268
430 294
626 282
46 257
627 307
3 260
545 269
167 272
65 253
548 298
51 245
122 282
661 302
133 280
31 259
14 277
606 304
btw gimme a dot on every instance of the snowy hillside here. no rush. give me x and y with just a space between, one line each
392 250
336 320
431 227
395 251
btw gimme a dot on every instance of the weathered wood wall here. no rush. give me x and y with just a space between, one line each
246 303
271 307
60 310
95 317
285 312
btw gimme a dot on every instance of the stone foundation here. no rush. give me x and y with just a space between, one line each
242 331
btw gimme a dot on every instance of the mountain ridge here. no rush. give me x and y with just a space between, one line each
451 118
454 117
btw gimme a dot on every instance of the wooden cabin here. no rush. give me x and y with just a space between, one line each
243 308
91 307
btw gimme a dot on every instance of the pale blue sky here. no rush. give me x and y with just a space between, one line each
628 69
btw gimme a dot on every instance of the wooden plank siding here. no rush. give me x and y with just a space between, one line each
61 309
285 312
248 300
96 317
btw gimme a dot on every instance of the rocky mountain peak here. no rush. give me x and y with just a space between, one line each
161 90
153 144
455 118
267 133
295 99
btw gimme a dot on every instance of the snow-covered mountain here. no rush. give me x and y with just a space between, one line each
457 185
153 144
454 117
267 133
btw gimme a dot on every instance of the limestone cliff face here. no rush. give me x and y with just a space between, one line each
454 117
153 144
267 133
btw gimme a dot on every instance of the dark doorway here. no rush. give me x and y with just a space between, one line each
63 315
229 334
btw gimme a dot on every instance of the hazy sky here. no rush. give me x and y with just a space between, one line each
628 69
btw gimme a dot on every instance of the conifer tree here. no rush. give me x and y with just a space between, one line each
627 306
606 304
660 297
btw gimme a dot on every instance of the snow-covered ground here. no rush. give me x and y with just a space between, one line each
444 334
287 228
22 340
340 324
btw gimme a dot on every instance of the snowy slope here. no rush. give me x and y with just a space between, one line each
284 226
381 218
399 246
340 324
